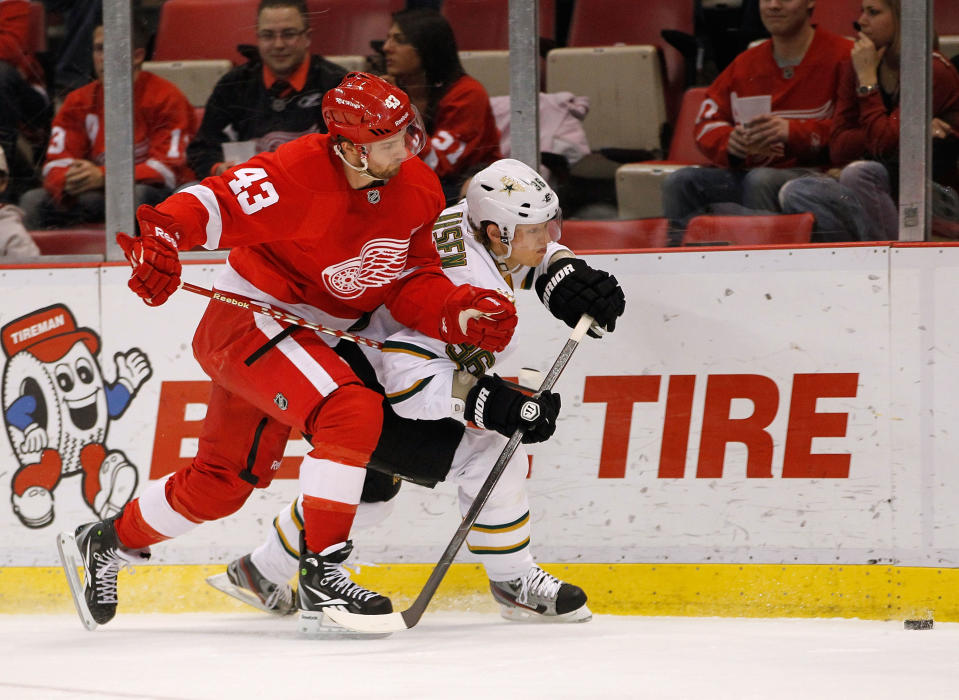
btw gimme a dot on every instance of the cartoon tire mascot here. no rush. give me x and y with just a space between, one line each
57 408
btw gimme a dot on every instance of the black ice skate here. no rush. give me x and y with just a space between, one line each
540 597
96 550
244 581
324 582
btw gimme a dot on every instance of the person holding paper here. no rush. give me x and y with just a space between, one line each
766 119
865 143
272 99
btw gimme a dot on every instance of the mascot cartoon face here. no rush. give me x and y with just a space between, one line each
53 362
58 406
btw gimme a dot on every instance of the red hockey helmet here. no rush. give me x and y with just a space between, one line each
364 108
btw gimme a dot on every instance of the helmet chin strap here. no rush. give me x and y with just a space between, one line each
365 169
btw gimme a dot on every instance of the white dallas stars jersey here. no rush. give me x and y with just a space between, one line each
417 371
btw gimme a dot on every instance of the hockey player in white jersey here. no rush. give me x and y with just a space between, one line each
502 236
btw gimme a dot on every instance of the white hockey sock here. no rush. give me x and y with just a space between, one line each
279 554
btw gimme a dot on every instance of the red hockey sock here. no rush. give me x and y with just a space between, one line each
326 522
132 530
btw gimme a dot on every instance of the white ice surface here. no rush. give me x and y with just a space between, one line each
472 655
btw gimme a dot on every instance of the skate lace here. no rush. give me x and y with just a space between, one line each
538 582
109 564
336 577
281 593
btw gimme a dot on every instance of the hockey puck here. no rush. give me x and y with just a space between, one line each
918 624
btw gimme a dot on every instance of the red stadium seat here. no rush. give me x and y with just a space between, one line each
37 31
606 22
837 16
196 29
946 17
483 25
346 27
783 229
613 234
85 240
682 146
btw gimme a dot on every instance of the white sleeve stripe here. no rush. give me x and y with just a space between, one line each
312 370
214 224
323 478
59 163
169 179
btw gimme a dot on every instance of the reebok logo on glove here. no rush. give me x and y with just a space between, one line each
160 233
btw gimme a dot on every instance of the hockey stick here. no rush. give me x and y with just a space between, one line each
406 619
261 307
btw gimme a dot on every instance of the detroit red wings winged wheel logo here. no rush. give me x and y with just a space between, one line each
379 262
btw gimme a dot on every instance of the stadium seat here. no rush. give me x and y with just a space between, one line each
946 19
625 90
195 79
607 22
782 229
491 68
639 186
837 16
37 28
949 45
483 25
346 27
350 63
583 236
82 240
204 29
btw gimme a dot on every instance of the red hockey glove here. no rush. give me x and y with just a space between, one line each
154 257
481 317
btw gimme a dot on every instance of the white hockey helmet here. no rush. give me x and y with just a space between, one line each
508 193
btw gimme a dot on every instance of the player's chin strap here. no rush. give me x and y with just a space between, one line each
365 169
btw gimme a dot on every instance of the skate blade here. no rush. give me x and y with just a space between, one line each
71 560
512 614
222 583
317 625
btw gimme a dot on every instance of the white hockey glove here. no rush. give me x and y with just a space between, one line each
571 288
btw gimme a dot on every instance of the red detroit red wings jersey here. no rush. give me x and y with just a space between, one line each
804 94
302 235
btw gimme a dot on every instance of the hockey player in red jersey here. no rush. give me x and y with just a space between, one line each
328 227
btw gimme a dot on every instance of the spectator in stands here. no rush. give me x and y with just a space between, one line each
765 120
74 64
422 58
15 242
73 173
865 141
270 100
23 99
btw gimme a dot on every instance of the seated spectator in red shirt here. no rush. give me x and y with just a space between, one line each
862 191
766 119
73 173
421 58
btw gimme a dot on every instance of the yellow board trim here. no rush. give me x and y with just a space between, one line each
726 590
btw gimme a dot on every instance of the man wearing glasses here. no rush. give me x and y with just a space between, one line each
272 99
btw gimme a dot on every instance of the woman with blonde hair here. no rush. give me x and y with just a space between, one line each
864 147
